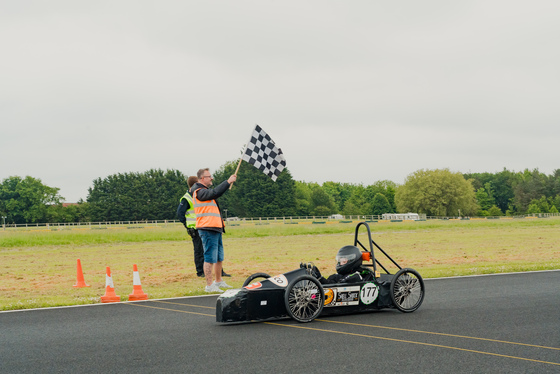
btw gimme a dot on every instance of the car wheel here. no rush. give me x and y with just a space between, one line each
407 290
304 298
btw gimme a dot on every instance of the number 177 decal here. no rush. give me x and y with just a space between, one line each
369 293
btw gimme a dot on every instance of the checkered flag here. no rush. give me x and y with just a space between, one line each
262 153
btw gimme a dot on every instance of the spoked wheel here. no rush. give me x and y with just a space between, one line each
407 290
252 277
304 298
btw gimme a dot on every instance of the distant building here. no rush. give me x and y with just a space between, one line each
403 216
336 216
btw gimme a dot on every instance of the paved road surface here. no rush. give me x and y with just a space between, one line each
489 324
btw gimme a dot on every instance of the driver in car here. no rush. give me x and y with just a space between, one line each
348 267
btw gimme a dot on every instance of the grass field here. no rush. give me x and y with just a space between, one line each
38 267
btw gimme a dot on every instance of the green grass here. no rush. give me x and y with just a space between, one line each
38 267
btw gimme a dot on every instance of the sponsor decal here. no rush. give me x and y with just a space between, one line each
344 296
253 286
329 296
369 293
279 280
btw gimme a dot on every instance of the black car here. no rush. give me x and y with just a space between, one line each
299 295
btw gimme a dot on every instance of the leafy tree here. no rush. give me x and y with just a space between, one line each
553 186
322 204
387 189
381 205
152 195
539 206
70 213
26 200
555 202
303 199
340 192
350 209
502 187
513 191
527 186
533 208
321 200
436 193
500 184
357 203
485 199
254 194
494 211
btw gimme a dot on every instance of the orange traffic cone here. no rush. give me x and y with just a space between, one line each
137 292
110 296
80 282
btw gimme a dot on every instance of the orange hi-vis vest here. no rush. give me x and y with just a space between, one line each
207 213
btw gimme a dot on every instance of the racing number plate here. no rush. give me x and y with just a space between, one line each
369 293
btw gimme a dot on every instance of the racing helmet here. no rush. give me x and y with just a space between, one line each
348 259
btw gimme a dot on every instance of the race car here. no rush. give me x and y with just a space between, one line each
300 295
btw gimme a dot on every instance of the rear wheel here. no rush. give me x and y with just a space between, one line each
304 298
407 290
252 277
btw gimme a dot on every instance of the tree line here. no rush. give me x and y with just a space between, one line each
155 194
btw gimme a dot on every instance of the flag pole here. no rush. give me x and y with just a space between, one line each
239 164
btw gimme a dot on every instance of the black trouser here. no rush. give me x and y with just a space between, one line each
198 253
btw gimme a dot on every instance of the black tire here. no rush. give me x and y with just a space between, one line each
407 290
252 277
304 298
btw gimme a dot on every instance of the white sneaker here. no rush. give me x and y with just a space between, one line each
222 284
213 288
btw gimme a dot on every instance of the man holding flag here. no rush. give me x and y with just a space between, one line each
262 153
210 226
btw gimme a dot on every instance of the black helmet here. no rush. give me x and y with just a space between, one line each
348 259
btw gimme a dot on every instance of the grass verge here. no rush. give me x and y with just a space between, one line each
38 268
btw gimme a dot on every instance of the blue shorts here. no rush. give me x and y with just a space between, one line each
213 246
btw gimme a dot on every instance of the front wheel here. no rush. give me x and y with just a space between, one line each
304 298
252 277
407 290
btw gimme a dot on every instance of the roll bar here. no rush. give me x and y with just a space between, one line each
370 250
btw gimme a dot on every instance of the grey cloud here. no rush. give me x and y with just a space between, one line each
351 91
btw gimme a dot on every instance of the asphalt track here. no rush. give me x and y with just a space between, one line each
488 324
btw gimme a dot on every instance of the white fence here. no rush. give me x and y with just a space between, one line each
293 219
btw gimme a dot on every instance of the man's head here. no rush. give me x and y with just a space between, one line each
204 177
192 180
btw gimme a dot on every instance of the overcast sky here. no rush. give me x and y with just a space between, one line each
352 91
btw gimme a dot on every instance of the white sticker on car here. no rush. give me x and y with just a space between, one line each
369 293
279 280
